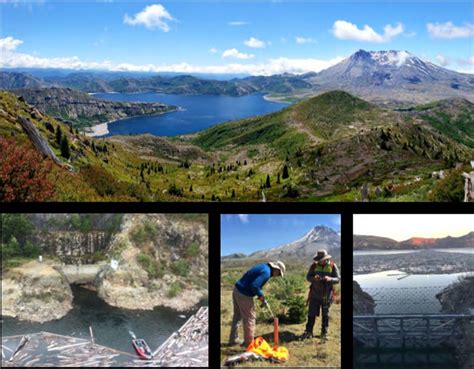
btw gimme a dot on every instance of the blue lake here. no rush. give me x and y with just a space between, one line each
200 112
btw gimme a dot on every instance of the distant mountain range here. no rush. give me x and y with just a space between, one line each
303 249
382 243
392 78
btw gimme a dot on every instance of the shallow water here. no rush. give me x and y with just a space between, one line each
110 324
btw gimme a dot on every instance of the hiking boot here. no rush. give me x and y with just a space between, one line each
306 335
236 342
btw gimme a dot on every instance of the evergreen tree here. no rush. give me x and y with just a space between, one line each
65 150
267 183
191 188
285 172
233 193
278 178
59 135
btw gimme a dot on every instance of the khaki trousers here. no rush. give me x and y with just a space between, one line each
244 309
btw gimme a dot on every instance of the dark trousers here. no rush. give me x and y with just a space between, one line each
315 307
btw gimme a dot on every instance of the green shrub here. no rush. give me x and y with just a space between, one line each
150 265
174 290
145 232
180 267
192 250
296 310
449 189
98 256
31 250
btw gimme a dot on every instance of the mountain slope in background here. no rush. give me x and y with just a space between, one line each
390 77
381 243
83 110
320 237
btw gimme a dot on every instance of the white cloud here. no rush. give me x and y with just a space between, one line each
348 31
449 30
244 218
304 40
237 23
213 50
9 43
153 16
254 43
14 59
442 60
234 53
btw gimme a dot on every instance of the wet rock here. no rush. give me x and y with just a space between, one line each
362 302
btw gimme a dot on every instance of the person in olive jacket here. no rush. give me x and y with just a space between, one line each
323 275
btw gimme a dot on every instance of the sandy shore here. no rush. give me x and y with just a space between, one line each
103 128
98 130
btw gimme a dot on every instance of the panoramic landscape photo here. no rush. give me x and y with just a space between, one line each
227 101
84 290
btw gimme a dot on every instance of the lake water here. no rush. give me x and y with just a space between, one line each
110 324
396 292
384 252
200 112
465 250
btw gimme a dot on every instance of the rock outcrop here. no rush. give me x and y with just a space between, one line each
362 302
167 265
459 298
36 292
73 247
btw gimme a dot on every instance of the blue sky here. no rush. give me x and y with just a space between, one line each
256 37
251 232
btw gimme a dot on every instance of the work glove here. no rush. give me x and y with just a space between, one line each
263 300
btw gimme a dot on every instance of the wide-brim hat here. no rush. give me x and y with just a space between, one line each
278 265
321 256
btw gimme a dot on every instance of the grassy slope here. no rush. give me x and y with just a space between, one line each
331 144
452 117
345 142
311 352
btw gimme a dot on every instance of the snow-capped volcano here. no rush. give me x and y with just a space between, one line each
393 76
319 237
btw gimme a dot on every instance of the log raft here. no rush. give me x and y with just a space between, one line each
186 347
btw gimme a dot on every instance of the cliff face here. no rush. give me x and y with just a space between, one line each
84 110
459 298
362 302
162 262
73 247
36 292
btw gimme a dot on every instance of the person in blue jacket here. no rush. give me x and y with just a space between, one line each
246 288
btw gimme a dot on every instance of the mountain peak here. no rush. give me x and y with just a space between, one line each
319 232
383 57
